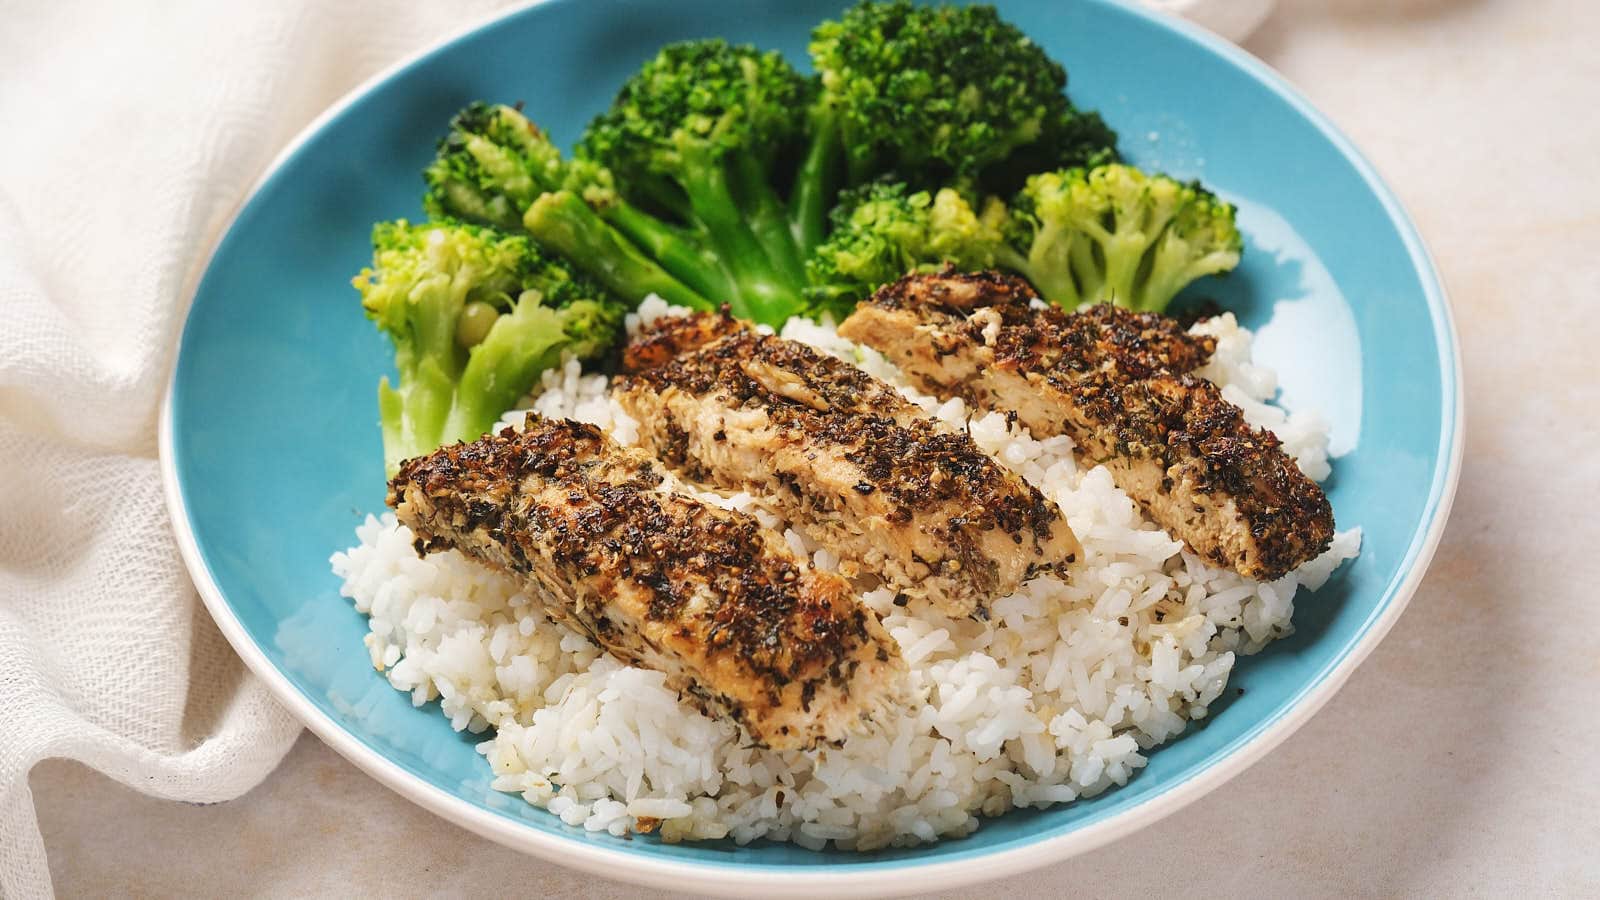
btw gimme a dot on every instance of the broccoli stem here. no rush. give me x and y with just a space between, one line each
764 295
413 416
1124 250
1172 268
1088 271
392 419
464 201
439 301
1046 268
501 368
563 222
768 219
676 253
816 184
659 192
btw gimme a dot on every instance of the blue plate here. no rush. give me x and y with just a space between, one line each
272 452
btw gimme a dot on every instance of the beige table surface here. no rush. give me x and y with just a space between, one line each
1463 759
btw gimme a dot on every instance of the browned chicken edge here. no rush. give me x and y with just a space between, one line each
845 457
658 578
1121 385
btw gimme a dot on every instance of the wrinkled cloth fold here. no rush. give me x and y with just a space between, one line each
132 133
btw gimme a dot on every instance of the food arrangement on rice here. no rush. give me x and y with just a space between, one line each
810 458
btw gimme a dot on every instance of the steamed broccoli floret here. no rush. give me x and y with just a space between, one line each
698 131
1115 234
495 167
883 230
475 315
942 94
494 163
1109 234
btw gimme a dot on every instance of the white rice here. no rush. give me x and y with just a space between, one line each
1057 698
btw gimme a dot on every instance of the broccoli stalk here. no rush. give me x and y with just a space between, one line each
697 131
565 224
1109 234
494 166
816 183
522 344
475 315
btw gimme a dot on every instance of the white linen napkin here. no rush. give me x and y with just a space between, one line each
131 133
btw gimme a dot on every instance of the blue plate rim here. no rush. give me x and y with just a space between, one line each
888 876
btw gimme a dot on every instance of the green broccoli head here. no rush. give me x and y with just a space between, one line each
884 229
1115 234
475 315
424 274
494 163
696 132
1109 234
495 166
941 93
696 102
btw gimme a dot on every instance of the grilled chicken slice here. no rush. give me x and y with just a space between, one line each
845 458
658 578
1120 385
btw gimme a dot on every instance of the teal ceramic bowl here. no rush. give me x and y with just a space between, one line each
272 452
